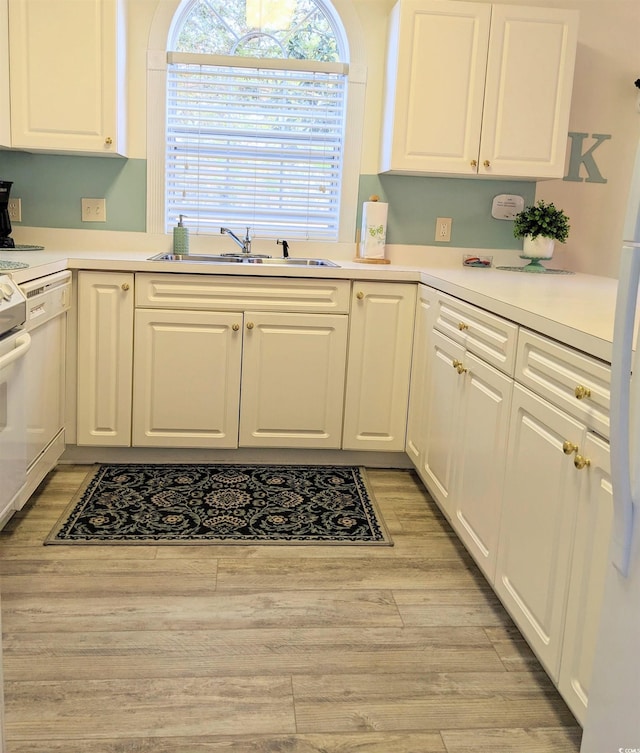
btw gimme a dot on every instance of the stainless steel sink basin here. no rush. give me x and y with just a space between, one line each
238 259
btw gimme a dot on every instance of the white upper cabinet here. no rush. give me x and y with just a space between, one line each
5 110
478 90
67 76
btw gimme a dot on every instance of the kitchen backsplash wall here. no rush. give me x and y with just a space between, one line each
416 202
51 187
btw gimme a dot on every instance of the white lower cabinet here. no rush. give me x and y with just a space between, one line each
213 370
588 569
228 379
105 355
293 373
482 431
379 366
442 406
468 404
417 417
542 485
186 388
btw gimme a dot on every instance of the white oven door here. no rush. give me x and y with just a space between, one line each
13 424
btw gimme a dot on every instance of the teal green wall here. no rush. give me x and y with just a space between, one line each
51 187
415 203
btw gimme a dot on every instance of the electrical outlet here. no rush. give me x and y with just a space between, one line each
94 210
15 210
443 229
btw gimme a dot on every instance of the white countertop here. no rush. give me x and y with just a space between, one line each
575 309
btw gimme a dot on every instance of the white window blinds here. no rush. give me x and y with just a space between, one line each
255 143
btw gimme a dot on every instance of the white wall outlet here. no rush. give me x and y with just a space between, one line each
15 210
443 229
94 210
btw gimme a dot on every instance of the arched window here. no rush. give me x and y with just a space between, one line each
256 106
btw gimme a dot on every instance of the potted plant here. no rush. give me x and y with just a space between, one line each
541 225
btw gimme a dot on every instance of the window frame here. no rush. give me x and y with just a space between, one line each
166 16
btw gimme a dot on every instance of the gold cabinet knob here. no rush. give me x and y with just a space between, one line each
569 448
474 163
108 141
359 295
125 286
462 326
486 163
249 325
581 392
235 327
581 462
458 366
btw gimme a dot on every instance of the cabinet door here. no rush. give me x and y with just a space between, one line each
66 70
379 364
588 571
528 91
480 460
444 394
105 356
436 62
5 108
417 418
293 371
536 535
186 388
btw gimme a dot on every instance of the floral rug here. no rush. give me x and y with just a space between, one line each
199 504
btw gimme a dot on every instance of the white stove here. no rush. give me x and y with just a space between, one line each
13 305
14 344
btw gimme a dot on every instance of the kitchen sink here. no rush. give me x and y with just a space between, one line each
239 259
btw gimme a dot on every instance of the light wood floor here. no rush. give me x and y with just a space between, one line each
249 649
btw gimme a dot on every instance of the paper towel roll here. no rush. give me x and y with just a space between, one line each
373 234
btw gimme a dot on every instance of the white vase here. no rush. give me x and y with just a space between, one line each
539 247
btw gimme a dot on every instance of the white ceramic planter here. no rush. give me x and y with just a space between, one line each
538 247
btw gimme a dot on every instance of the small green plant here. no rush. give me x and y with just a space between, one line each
542 219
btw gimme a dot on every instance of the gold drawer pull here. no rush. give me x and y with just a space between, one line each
569 448
235 327
108 141
359 295
486 163
462 326
458 366
581 392
249 325
474 163
125 286
581 462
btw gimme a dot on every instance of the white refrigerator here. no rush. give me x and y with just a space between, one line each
613 713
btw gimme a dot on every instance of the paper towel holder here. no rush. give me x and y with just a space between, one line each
364 259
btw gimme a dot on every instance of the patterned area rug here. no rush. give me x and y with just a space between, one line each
199 504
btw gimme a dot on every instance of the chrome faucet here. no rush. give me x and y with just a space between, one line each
245 245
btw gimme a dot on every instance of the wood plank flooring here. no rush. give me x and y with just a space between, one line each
250 649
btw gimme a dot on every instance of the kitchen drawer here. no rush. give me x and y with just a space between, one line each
487 336
218 293
574 382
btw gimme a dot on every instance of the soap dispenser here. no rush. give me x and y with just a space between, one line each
180 238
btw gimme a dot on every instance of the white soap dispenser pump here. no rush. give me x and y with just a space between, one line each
180 238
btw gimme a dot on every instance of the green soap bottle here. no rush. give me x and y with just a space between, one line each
180 238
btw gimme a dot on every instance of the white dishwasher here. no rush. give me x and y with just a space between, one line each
48 299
